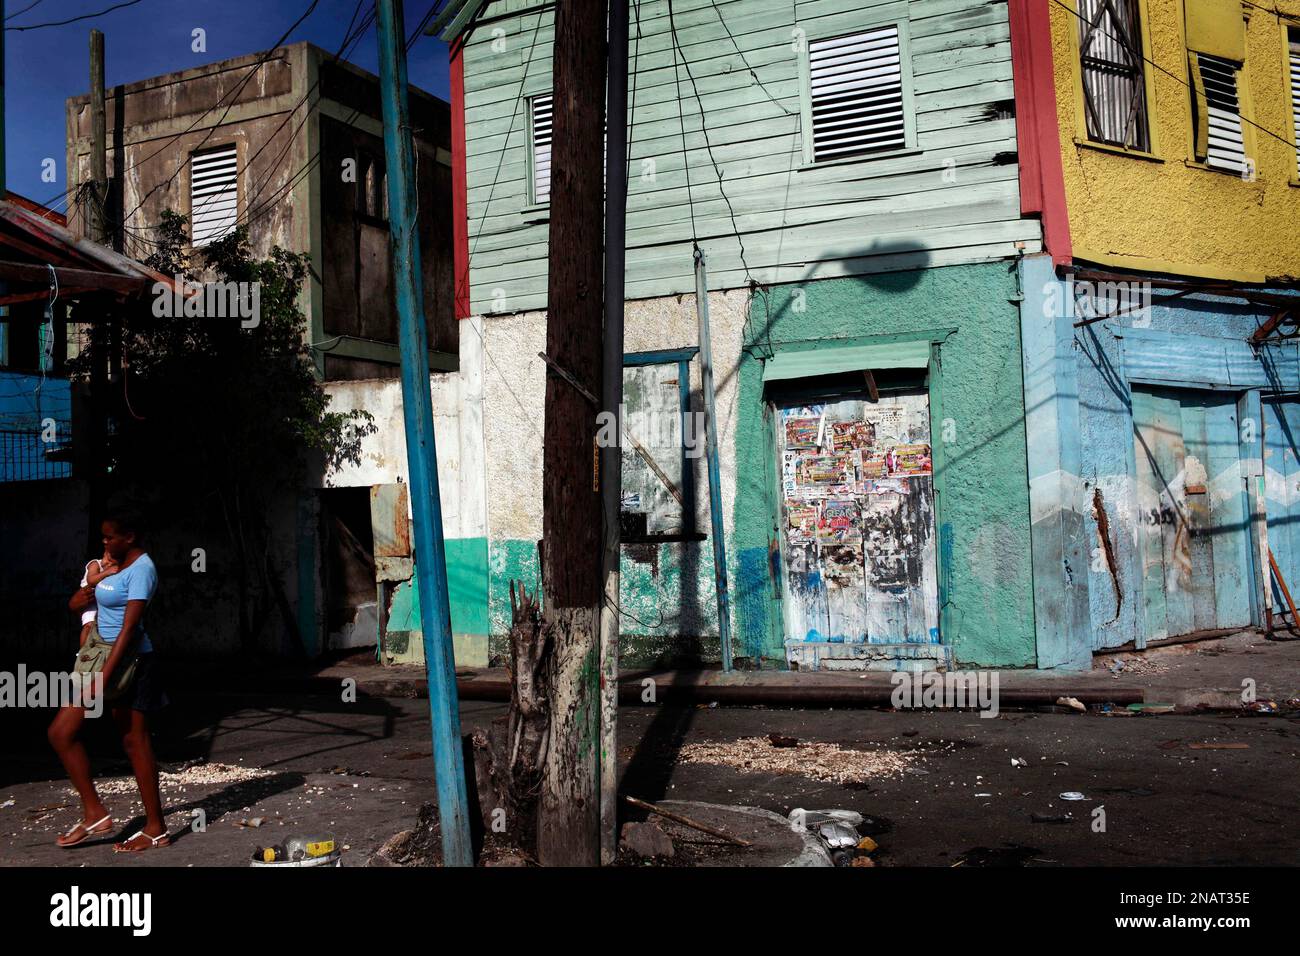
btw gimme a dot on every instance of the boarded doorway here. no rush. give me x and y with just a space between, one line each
1193 521
857 527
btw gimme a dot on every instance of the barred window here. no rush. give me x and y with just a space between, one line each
1114 73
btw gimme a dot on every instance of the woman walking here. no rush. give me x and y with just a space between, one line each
116 646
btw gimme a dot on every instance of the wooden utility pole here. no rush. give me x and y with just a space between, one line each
569 808
98 142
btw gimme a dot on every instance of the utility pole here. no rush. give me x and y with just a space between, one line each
102 337
569 805
98 142
421 450
611 456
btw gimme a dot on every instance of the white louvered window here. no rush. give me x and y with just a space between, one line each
1293 71
214 194
540 107
1226 148
856 94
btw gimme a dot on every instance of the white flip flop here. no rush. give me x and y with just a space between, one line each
91 829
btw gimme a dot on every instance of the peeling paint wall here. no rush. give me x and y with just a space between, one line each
1195 346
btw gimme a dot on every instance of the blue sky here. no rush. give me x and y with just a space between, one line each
45 67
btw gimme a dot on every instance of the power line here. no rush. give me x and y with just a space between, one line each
233 96
708 147
1275 12
496 176
35 3
723 23
61 23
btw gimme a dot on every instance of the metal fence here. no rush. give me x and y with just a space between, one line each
24 456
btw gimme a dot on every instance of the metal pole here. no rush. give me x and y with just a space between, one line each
711 448
611 458
421 451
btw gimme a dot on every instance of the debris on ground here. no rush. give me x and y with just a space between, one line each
1072 702
1136 665
829 763
837 829
190 775
422 846
1073 795
646 840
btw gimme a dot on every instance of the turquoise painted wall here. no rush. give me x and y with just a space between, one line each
668 602
982 483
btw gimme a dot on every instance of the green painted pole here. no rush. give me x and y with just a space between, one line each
421 450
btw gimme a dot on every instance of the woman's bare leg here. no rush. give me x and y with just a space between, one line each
64 738
134 728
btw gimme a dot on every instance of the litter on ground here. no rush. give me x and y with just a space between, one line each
829 763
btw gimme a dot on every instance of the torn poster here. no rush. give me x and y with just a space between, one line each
852 436
803 434
826 474
909 460
842 565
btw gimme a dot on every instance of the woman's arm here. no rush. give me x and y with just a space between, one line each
126 636
83 599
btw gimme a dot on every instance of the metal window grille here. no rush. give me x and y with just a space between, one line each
1114 73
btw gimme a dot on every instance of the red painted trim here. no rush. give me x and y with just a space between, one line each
459 182
1042 182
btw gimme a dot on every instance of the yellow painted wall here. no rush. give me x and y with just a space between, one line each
1166 213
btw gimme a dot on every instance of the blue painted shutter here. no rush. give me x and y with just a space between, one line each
857 94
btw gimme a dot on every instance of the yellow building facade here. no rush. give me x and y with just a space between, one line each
1178 126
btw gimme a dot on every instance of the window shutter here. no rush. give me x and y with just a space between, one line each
857 94
541 111
1219 113
1294 73
214 194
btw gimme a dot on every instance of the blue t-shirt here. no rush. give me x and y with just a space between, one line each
136 582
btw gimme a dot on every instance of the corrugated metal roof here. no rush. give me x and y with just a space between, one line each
30 244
